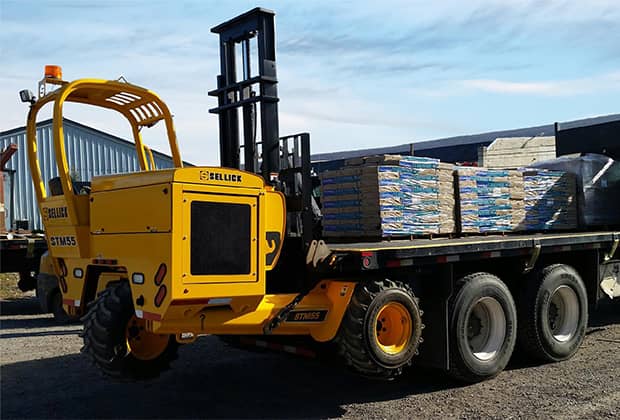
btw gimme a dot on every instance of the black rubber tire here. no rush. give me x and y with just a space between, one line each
105 341
356 340
27 281
464 365
60 315
535 337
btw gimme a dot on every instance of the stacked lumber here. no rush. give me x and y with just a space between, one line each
550 200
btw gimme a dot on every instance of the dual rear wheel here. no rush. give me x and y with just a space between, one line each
482 327
553 314
548 323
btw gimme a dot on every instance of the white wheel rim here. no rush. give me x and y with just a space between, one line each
486 328
563 313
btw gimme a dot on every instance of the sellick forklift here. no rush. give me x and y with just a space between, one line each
159 257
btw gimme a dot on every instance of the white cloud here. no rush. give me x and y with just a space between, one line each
591 85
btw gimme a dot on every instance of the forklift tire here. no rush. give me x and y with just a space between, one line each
553 314
381 329
483 331
117 341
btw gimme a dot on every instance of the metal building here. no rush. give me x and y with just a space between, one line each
569 136
593 135
90 152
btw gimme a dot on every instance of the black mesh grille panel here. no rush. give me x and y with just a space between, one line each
220 238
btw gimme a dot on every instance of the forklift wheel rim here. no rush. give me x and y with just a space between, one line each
142 344
393 328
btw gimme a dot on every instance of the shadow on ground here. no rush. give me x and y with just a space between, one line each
26 305
208 380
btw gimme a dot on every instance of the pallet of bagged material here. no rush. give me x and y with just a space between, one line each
488 200
421 195
361 200
597 187
390 200
550 200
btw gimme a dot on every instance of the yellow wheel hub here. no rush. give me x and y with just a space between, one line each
142 344
393 328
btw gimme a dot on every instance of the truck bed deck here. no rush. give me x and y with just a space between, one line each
398 253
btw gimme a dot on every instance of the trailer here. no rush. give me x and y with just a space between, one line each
20 249
21 253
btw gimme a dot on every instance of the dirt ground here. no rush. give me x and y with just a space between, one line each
43 375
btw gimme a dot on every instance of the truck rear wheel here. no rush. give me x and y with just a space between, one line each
482 327
553 314
60 315
118 342
381 329
50 298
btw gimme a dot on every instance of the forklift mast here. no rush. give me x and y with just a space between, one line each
252 86
242 89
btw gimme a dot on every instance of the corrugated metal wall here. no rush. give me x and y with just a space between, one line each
90 153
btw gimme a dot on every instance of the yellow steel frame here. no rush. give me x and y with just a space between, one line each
141 107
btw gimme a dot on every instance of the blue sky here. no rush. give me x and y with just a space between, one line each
353 74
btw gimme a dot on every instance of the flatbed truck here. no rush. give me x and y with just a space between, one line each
156 258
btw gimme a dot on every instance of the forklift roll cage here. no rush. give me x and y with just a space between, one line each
141 107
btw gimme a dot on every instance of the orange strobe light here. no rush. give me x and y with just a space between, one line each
53 71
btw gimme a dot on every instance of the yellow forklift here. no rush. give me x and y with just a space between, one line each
156 258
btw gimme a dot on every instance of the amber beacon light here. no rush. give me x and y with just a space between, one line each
53 71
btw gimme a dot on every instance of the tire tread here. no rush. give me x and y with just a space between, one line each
104 332
350 337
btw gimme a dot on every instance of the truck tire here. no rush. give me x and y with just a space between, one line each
47 286
482 327
50 298
553 314
380 331
60 315
27 281
117 342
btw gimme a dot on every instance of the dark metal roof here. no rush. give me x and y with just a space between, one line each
586 122
454 149
592 135
423 148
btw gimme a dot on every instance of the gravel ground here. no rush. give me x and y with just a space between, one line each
44 376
